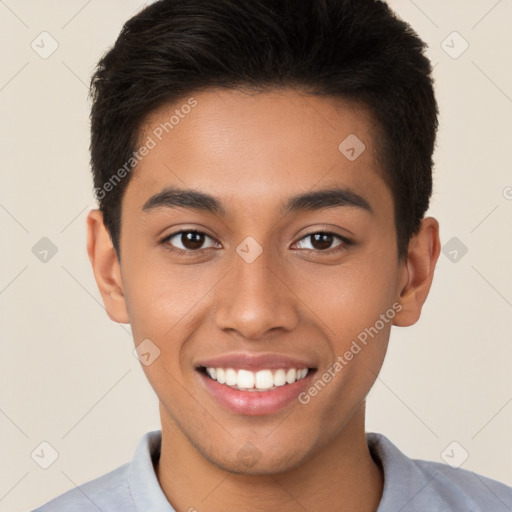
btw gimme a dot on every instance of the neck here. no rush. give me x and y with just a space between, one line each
342 477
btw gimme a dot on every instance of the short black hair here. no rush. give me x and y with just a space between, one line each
356 50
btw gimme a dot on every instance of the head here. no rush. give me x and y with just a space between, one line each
260 124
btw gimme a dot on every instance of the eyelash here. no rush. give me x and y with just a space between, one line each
341 247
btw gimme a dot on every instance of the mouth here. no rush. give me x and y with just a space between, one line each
255 385
255 381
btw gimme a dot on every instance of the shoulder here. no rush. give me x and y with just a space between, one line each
108 493
457 485
412 484
125 488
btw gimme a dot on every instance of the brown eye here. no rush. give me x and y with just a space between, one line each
192 240
187 241
323 241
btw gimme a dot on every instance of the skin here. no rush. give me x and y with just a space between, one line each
253 152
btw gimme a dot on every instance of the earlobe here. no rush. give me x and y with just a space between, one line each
418 272
106 267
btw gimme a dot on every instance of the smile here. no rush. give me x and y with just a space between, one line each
261 380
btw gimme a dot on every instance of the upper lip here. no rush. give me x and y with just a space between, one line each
255 362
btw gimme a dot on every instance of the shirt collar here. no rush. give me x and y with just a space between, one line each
144 486
407 483
403 480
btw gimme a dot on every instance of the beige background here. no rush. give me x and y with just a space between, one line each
68 374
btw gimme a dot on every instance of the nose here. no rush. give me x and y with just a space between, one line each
256 297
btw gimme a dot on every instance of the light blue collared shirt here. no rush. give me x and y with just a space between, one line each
410 485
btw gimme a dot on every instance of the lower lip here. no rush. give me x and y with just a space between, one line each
255 403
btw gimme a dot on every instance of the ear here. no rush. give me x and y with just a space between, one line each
418 272
106 268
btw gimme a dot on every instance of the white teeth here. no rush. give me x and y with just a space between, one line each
291 375
261 380
231 377
264 379
221 376
279 378
245 379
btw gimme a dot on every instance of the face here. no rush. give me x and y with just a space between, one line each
284 257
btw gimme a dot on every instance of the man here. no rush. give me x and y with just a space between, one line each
263 169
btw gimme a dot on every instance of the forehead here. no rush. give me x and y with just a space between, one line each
257 146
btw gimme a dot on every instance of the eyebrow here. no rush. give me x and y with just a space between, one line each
173 197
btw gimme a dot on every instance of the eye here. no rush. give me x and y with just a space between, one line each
322 241
191 241
187 241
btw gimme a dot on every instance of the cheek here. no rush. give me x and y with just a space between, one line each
353 298
166 305
358 311
160 297
356 305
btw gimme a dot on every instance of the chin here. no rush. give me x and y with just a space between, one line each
249 461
